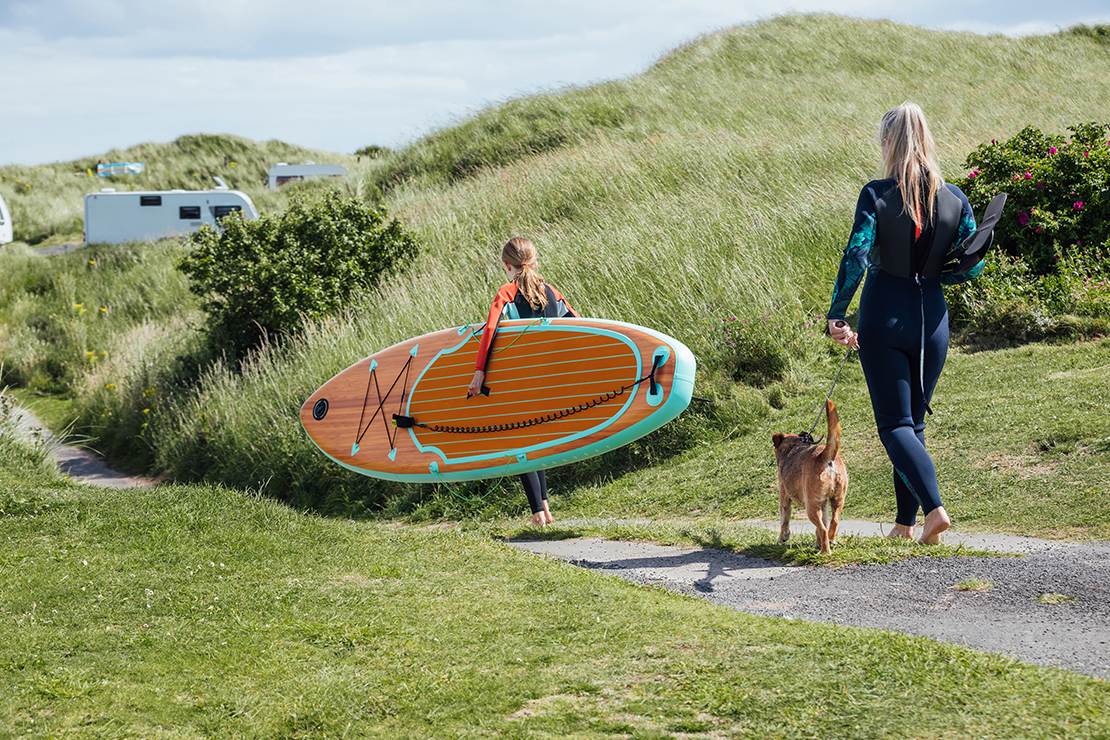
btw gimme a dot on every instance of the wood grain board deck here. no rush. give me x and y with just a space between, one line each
559 390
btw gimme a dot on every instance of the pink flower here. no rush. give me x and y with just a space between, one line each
1028 175
973 173
1052 150
1040 186
1077 205
1023 218
1086 154
1038 230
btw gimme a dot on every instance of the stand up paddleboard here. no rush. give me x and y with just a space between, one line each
556 391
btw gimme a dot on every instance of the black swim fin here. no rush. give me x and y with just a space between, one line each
971 250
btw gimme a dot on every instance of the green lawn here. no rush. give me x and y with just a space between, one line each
185 612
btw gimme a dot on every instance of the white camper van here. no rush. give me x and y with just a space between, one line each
111 217
5 222
282 172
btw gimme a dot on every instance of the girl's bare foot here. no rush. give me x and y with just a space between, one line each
936 522
547 513
901 532
539 519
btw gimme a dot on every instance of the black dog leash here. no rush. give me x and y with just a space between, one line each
807 437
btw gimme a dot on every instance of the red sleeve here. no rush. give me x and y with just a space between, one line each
559 297
505 295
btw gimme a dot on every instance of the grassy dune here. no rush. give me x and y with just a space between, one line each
717 185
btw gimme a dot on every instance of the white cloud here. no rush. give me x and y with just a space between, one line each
96 74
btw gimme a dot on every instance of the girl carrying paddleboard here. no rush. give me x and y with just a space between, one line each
525 296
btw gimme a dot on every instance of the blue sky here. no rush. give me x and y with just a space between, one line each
84 76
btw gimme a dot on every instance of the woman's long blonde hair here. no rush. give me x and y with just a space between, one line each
521 253
909 156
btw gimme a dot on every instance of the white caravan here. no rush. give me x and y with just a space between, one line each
5 222
282 172
112 218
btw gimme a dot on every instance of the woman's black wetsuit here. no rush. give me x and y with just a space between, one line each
511 303
903 323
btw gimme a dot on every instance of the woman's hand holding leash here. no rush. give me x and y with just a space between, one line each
842 333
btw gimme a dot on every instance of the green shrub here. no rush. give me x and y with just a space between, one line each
1011 301
1058 192
373 151
1099 33
263 278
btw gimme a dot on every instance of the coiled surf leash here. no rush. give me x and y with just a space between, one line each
807 437
405 422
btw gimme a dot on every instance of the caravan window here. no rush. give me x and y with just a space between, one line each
150 200
190 212
221 211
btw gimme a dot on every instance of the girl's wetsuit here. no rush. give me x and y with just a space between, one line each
903 323
510 303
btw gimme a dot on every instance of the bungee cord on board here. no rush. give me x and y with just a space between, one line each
406 422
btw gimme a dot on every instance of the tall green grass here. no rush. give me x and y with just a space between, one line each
718 184
65 318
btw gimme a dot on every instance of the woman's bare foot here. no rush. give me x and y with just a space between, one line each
936 522
547 513
539 519
901 532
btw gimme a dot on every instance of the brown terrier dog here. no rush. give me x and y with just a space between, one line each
812 476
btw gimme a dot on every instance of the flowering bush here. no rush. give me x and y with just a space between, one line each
1059 192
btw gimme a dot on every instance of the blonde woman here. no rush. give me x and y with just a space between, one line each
525 296
905 224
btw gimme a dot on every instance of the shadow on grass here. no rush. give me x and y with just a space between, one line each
800 550
856 550
537 534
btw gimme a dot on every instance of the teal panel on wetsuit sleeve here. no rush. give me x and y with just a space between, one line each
853 266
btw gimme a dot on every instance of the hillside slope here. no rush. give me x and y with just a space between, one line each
717 185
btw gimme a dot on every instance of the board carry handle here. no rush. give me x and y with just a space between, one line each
655 391
485 391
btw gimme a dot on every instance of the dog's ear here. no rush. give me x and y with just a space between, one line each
777 439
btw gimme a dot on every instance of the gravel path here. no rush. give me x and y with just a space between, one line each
915 596
78 463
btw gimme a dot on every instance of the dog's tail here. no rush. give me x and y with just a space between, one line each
832 443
